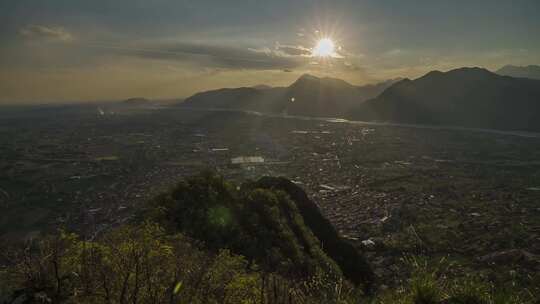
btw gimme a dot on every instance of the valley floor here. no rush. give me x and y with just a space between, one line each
471 198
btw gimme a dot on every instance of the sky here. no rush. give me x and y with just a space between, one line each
77 50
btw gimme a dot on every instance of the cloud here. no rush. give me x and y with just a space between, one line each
395 53
225 56
46 32
281 57
218 56
351 66
294 50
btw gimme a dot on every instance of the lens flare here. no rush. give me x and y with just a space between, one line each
324 48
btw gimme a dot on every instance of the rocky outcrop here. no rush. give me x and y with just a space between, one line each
352 263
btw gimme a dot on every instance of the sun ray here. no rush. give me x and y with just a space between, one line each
325 48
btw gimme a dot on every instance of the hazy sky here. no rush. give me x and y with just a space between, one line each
72 50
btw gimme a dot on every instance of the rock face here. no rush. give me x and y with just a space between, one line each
307 96
531 71
467 97
351 262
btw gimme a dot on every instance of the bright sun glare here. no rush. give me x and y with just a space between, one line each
324 48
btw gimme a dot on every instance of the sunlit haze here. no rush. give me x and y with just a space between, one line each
324 48
278 151
63 51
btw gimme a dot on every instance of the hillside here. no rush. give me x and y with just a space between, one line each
469 97
307 96
352 264
531 71
208 240
271 222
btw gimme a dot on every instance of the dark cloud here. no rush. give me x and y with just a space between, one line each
46 32
294 50
217 56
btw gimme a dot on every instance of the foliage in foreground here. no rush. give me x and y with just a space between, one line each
143 264
219 244
263 225
430 284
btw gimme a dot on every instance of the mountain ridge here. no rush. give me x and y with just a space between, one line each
468 97
136 101
530 71
308 96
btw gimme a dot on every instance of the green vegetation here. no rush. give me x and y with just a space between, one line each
430 284
263 225
129 265
354 266
210 241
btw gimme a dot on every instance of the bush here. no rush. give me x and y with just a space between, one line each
130 264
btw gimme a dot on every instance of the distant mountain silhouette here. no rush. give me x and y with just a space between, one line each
237 98
262 87
309 96
314 96
531 71
471 97
137 101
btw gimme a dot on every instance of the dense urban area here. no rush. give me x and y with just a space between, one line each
463 195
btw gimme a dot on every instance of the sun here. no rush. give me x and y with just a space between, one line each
324 48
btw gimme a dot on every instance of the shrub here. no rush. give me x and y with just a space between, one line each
131 264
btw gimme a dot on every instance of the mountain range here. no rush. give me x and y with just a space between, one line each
468 97
531 71
137 101
308 96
